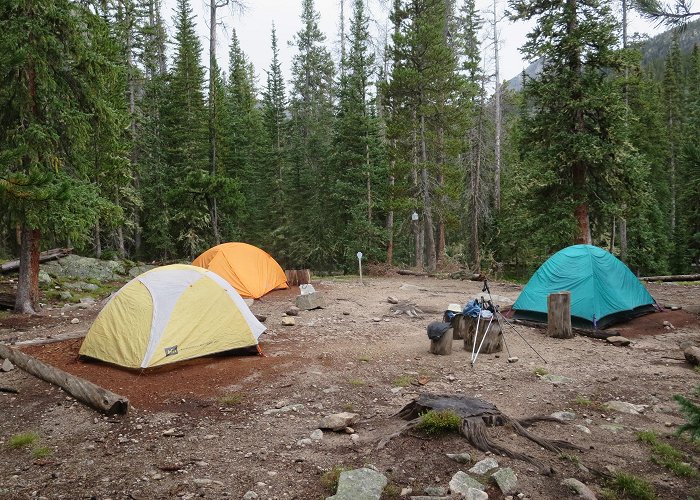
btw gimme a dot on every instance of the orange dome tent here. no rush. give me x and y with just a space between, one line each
250 270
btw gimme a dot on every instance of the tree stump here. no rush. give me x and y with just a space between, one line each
559 315
442 346
494 336
296 277
459 326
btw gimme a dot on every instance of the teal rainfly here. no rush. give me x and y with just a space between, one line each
603 289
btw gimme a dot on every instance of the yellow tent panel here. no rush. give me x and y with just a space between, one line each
170 314
250 270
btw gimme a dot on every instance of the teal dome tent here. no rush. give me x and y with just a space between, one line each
603 289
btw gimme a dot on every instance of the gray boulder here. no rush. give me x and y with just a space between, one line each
505 479
44 278
619 341
625 407
338 421
360 484
461 482
580 488
85 268
692 355
310 301
138 270
483 466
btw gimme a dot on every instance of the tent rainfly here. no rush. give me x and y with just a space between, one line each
603 289
170 314
250 270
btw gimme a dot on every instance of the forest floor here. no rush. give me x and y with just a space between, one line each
225 425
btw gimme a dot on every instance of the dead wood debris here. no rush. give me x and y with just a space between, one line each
477 415
408 308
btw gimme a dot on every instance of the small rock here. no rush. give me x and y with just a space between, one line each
668 424
566 416
483 466
169 432
250 495
288 321
580 488
376 319
614 428
406 491
583 428
392 300
675 308
338 421
7 366
461 482
349 430
513 359
304 442
317 435
619 341
355 438
506 479
475 494
435 491
625 407
556 379
293 311
75 321
202 482
692 355
460 458
284 409
668 324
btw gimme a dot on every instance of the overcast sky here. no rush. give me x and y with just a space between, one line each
254 24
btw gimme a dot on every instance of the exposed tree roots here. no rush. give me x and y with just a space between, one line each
477 415
406 308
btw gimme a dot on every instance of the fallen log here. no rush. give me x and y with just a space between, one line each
408 272
83 390
595 334
9 390
54 253
673 277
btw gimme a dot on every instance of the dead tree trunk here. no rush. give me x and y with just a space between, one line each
84 391
559 315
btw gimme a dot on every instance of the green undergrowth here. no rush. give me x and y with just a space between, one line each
41 452
22 440
329 479
539 371
667 456
439 422
230 399
624 485
357 382
402 381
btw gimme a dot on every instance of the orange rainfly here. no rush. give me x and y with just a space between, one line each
250 270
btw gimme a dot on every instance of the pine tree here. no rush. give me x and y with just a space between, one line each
357 162
52 68
186 146
573 138
691 409
274 108
426 123
245 144
152 174
311 108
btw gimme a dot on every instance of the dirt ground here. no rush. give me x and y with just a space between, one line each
204 428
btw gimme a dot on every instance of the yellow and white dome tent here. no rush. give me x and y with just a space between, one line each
170 314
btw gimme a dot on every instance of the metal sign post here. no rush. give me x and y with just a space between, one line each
359 261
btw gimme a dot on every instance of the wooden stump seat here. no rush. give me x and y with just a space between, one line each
494 337
442 346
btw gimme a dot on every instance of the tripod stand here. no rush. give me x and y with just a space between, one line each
500 318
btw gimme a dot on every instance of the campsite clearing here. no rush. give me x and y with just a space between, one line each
221 426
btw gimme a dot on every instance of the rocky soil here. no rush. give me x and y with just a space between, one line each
247 426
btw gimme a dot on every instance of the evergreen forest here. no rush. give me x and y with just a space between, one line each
120 141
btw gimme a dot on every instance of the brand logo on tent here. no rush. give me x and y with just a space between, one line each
171 351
